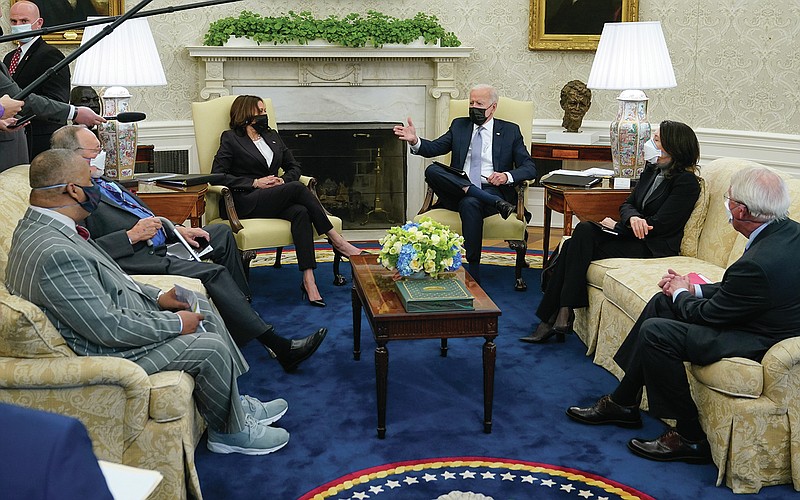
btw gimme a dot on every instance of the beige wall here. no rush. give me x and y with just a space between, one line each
737 61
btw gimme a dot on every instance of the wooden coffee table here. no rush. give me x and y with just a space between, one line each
375 293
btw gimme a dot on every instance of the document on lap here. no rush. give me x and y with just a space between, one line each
188 296
698 279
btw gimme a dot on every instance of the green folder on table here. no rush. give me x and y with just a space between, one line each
433 295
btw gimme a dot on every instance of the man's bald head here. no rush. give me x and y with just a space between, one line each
25 12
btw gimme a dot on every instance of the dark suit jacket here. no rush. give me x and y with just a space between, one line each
108 226
47 456
667 210
13 144
755 306
241 163
509 150
37 59
758 296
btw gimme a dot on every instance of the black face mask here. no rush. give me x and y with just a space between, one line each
261 124
477 115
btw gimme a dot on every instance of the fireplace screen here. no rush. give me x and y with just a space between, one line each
360 170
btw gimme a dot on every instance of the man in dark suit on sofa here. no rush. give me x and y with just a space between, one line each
33 59
756 305
125 227
476 185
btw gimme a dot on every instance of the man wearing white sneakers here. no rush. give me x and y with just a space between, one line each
101 311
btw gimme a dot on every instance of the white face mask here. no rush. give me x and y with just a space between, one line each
21 28
728 210
651 152
99 164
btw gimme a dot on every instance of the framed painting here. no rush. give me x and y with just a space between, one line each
57 12
575 24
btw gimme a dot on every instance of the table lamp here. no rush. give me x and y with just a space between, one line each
631 57
125 58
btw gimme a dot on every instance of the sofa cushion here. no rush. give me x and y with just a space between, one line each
694 226
25 331
738 377
635 281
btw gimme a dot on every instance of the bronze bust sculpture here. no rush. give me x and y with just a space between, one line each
576 98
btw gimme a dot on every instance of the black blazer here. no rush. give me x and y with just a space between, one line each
37 59
667 210
756 305
509 150
108 226
241 163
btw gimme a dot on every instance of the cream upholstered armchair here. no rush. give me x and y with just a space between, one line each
514 229
132 418
211 118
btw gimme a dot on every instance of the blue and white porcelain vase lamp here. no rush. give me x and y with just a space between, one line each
630 57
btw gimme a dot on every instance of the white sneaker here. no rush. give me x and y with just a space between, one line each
255 439
266 413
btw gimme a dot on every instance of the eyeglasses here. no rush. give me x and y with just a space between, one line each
96 150
728 198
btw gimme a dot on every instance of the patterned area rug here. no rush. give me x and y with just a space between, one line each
498 256
472 478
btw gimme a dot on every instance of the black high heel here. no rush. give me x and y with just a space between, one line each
543 333
316 303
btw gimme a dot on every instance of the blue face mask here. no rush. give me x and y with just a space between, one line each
22 28
92 196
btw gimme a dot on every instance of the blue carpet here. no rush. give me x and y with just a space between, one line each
435 404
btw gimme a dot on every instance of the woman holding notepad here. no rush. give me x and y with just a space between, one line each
650 224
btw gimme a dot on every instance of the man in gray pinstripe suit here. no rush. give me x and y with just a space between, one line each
101 311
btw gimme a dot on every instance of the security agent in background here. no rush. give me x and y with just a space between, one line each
29 62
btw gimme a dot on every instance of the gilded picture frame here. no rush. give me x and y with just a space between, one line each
575 24
58 12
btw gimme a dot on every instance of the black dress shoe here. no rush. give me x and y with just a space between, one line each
672 447
301 350
606 411
505 208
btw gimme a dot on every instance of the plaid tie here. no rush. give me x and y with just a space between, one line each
15 60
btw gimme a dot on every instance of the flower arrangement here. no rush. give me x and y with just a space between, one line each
426 246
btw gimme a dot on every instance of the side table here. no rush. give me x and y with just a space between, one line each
585 203
579 152
175 203
375 294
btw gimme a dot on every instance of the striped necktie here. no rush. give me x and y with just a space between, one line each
475 158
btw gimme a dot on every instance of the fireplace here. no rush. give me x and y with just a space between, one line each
360 170
321 86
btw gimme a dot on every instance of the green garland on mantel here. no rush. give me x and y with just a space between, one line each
354 30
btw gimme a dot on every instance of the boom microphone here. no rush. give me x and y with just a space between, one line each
127 117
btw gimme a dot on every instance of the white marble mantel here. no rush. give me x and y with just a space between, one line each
315 66
332 84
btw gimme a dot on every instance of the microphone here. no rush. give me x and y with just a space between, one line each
127 117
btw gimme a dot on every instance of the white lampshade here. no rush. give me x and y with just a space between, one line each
127 57
632 56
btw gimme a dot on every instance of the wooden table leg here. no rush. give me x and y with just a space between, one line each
381 383
356 324
489 357
548 213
